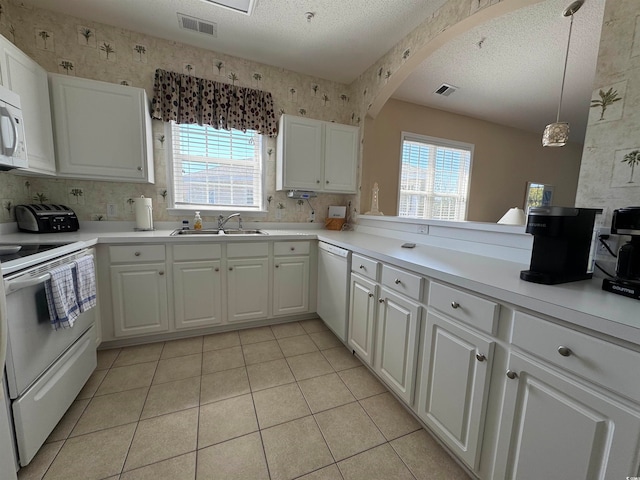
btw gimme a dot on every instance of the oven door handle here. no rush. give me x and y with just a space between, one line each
15 285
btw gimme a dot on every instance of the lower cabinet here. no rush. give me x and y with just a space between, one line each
197 292
455 373
397 326
247 289
139 299
362 317
554 427
290 285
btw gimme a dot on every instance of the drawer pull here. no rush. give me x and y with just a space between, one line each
277 266
216 269
160 272
137 254
564 351
139 169
230 268
370 294
397 281
381 300
292 249
362 267
511 374
455 304
480 357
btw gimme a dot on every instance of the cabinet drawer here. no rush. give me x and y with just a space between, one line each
136 253
610 365
197 252
243 250
475 311
402 281
291 248
364 266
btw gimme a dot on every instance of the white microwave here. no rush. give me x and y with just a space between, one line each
13 150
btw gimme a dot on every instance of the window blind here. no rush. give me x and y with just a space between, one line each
434 179
216 168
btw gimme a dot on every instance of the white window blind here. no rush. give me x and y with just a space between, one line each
216 169
434 178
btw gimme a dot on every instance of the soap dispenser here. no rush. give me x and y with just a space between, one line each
197 222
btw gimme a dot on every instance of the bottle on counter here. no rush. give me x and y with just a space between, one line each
197 222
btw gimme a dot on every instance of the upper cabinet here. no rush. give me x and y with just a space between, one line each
316 155
102 130
24 76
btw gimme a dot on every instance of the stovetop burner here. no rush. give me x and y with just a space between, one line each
29 249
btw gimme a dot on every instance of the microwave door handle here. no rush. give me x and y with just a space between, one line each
14 285
9 151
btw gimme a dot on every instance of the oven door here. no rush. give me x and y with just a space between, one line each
33 345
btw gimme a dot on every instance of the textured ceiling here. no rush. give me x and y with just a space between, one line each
514 78
343 39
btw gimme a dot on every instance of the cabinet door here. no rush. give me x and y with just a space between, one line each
139 299
290 285
25 77
554 427
362 311
102 130
197 294
455 372
247 289
300 154
396 342
341 157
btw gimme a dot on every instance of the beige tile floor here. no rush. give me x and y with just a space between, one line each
280 402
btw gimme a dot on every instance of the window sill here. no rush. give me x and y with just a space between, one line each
214 212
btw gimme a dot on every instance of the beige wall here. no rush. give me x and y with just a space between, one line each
504 160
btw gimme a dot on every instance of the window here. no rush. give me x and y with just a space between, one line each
434 178
215 169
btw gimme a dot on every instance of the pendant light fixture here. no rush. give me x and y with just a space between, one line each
557 134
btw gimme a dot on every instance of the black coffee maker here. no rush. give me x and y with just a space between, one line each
563 244
626 221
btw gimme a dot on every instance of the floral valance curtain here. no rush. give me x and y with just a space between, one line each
187 99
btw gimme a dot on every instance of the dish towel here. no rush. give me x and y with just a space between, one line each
61 297
85 281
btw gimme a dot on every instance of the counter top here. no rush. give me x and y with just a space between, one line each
581 303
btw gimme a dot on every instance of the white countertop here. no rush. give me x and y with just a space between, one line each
581 303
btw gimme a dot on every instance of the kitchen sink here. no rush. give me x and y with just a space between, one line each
218 232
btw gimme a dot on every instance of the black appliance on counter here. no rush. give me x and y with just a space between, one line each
562 244
626 221
46 218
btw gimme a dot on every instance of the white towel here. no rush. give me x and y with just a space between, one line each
61 297
85 280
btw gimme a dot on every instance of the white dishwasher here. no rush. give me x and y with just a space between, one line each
334 265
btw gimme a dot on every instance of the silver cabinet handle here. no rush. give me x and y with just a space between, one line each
370 294
511 374
397 281
216 269
381 300
455 304
160 272
564 351
362 267
139 169
317 181
327 182
137 254
293 249
480 357
230 268
277 266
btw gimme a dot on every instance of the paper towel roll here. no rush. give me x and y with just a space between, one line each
144 213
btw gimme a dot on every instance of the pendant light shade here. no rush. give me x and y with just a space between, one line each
557 134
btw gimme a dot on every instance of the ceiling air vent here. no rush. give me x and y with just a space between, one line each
445 90
197 25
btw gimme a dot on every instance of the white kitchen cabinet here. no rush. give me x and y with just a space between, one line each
138 289
555 427
24 76
396 349
290 278
455 374
316 155
102 130
247 281
362 316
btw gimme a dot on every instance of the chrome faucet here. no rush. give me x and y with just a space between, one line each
223 221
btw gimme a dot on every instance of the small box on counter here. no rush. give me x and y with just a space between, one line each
336 218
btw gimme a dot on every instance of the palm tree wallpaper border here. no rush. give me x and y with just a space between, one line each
607 103
623 174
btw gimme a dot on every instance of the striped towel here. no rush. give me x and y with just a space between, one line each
85 280
61 297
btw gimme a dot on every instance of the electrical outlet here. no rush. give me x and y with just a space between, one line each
112 210
423 229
